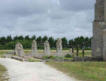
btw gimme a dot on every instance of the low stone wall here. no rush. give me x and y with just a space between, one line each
17 58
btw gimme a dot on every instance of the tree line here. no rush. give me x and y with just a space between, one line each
9 42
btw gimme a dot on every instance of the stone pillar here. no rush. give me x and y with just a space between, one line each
98 41
47 49
59 47
104 44
19 50
34 48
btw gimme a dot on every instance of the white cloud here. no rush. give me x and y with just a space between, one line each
58 18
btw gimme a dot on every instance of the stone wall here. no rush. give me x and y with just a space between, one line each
99 30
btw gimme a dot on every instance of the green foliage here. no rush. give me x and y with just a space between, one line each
9 45
52 42
64 42
68 56
9 42
44 38
33 37
49 57
80 42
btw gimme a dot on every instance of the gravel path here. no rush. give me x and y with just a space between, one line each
30 71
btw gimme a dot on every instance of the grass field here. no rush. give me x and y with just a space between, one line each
2 71
2 52
33 60
87 52
85 71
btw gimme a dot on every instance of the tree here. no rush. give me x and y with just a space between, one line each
9 42
52 42
39 39
33 37
77 49
26 44
15 38
20 38
39 42
3 41
9 45
27 37
9 38
44 38
77 41
64 42
71 44
81 41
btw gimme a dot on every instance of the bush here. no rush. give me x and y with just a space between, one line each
68 56
49 57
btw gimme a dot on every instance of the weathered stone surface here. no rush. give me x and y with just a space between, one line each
47 49
17 58
99 27
34 48
19 49
59 47
104 44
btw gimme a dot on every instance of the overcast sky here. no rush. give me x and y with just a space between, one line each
57 18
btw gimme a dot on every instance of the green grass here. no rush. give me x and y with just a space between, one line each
33 60
2 52
87 52
2 71
86 71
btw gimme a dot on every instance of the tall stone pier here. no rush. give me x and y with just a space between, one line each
34 48
59 48
19 49
47 49
99 31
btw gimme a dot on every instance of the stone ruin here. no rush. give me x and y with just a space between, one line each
19 50
59 48
34 48
47 49
99 31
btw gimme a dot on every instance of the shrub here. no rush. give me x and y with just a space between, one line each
48 57
68 56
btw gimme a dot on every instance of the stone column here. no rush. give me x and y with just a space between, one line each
104 44
19 49
47 49
34 48
59 47
99 41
